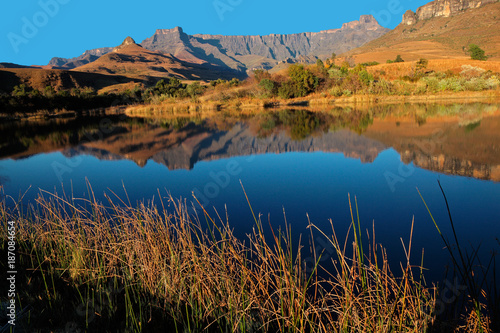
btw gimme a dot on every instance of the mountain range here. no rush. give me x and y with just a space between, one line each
441 29
242 53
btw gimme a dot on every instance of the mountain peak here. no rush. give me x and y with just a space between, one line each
367 22
169 31
128 41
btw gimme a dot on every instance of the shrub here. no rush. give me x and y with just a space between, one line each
20 91
403 88
286 90
195 89
432 84
269 87
304 80
335 73
346 92
260 74
469 71
476 53
234 82
336 92
399 59
421 64
493 82
365 77
170 88
381 87
370 63
454 84
476 84
352 82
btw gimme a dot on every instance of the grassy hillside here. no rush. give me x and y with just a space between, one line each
437 38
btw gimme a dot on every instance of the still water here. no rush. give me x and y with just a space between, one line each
295 165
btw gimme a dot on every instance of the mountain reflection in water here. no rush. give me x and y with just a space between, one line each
454 139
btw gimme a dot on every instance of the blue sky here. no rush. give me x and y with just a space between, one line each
34 31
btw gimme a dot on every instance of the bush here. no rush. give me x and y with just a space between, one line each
432 84
399 59
269 87
365 77
286 90
195 89
304 80
493 82
370 63
476 53
476 84
171 88
454 84
336 92
381 87
335 73
260 74
469 71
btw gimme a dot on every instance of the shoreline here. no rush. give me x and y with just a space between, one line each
309 102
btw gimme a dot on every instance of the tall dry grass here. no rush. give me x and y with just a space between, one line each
162 265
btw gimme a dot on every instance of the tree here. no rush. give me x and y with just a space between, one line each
320 64
269 87
195 89
399 59
304 80
476 53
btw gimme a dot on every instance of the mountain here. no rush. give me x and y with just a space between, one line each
444 8
85 58
38 78
466 147
132 60
441 29
242 53
182 149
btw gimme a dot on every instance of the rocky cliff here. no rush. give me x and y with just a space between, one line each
443 8
246 52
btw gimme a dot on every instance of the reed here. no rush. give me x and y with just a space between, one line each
476 300
110 266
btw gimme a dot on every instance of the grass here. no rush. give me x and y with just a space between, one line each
162 266
481 299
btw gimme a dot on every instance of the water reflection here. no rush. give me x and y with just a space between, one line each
453 139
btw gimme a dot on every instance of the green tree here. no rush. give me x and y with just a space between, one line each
476 52
269 87
49 92
195 89
20 91
365 77
320 64
287 90
304 80
399 59
422 64
171 88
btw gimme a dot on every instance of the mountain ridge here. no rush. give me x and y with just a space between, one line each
442 8
243 53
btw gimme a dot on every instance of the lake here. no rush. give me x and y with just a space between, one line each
296 166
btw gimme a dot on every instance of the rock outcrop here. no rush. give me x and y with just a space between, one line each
232 51
128 41
442 8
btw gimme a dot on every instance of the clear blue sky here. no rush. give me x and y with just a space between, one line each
34 31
